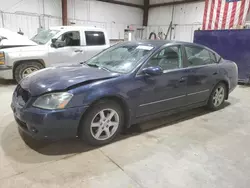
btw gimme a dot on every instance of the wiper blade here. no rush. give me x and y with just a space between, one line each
96 66
83 63
93 65
105 69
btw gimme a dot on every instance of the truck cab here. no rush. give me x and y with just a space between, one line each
57 46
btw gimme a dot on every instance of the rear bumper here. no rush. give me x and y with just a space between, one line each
244 81
48 124
233 84
6 72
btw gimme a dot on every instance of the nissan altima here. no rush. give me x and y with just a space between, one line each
126 84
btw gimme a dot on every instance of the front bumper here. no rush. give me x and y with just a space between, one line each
6 72
48 124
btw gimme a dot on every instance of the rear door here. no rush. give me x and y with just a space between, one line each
202 73
95 42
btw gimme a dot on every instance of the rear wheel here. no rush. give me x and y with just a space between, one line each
217 97
102 123
26 68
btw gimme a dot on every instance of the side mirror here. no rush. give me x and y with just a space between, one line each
57 43
152 71
53 40
53 43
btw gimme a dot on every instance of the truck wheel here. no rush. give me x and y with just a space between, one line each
102 123
25 68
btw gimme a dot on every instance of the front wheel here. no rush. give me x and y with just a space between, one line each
26 68
217 97
102 123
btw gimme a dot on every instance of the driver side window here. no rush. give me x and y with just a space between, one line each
71 38
168 58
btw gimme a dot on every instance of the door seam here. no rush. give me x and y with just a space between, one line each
168 99
203 91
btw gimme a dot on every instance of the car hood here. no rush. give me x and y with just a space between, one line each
61 78
11 39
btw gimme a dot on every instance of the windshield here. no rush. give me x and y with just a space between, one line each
44 36
121 59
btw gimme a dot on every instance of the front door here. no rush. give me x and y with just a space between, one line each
202 71
72 52
166 91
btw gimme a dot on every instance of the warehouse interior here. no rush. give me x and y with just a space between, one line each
31 15
192 148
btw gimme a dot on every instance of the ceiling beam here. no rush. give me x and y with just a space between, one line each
122 3
174 3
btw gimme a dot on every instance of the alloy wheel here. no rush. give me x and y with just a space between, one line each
28 71
219 95
104 124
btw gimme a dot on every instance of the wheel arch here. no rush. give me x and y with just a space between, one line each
17 63
227 87
119 100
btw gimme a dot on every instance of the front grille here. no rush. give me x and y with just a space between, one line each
21 123
22 93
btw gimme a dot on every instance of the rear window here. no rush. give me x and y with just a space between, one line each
213 57
199 56
217 57
94 38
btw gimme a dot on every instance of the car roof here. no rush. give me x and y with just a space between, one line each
159 43
69 28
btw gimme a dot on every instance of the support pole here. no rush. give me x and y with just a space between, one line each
145 12
64 12
2 18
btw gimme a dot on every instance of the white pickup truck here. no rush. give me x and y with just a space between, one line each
62 45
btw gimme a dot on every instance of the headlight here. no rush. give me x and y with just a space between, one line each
53 101
2 58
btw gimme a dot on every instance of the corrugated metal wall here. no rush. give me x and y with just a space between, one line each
185 18
27 22
114 18
29 15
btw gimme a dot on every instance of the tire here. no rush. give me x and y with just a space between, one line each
90 133
24 66
222 90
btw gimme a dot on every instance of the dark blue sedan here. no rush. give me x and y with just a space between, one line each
126 84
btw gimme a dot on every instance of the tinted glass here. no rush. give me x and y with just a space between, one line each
168 58
199 56
94 38
214 57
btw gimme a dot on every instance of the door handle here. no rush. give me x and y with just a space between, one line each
78 51
183 79
215 73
